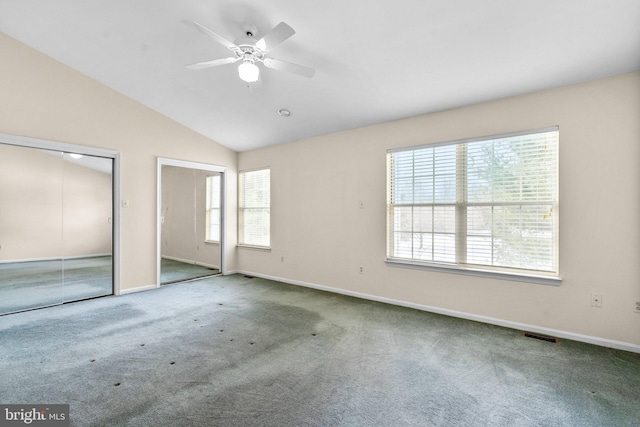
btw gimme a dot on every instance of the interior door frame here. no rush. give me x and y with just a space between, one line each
162 161
44 144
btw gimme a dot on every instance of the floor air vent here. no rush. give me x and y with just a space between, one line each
540 337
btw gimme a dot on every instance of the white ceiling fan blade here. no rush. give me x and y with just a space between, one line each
280 33
208 32
212 63
290 67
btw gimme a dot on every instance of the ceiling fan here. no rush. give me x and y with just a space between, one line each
251 52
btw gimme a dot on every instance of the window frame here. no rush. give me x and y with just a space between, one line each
461 204
241 209
213 210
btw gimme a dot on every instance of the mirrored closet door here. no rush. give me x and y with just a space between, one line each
56 227
190 221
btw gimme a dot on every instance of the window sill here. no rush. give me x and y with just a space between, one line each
259 248
212 242
454 269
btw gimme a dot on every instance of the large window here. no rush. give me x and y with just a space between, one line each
254 215
484 204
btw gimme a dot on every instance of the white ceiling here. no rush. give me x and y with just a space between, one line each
375 60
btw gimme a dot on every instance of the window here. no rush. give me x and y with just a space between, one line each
213 209
480 204
254 208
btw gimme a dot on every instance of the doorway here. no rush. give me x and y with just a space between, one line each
190 220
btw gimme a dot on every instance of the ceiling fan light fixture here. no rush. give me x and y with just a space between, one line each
248 71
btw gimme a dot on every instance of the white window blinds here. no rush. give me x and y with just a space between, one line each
254 212
490 202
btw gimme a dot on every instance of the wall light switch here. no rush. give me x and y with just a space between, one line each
125 203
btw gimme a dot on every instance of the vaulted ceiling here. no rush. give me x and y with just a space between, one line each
375 60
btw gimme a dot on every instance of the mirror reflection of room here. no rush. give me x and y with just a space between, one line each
190 224
56 213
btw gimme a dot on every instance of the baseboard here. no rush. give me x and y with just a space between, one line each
603 342
202 264
190 261
139 289
9 261
88 256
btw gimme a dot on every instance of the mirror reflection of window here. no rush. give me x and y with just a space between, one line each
190 212
213 209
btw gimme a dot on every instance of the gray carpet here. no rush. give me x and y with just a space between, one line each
172 271
32 284
234 351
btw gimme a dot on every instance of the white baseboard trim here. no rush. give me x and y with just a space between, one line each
9 261
139 289
202 264
603 342
190 261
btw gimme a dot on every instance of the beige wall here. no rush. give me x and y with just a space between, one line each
87 210
51 208
324 235
42 98
31 184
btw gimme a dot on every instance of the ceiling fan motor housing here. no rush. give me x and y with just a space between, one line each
247 45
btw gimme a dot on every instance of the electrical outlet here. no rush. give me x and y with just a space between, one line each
282 259
637 306
596 300
361 270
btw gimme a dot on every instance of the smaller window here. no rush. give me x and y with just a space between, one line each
213 209
254 211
